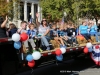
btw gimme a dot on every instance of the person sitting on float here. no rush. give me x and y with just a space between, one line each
23 30
32 35
71 32
54 35
93 30
12 29
63 35
84 31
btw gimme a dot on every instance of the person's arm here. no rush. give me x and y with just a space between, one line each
47 31
19 30
37 23
79 32
4 23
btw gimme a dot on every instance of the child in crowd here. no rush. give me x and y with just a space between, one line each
12 29
71 32
63 34
54 35
23 30
32 35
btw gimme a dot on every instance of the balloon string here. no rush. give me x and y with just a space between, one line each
32 71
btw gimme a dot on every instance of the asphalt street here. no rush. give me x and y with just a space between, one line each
82 66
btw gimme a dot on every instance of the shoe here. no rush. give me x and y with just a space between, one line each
67 44
64 46
40 50
48 48
71 45
77 45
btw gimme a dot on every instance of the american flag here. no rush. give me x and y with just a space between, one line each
30 21
62 22
95 54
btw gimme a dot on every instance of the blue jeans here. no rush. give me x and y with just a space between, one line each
74 39
96 35
44 40
86 36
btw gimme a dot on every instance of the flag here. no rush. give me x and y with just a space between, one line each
30 21
95 54
62 22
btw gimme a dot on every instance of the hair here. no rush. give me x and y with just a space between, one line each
1 19
32 24
12 25
42 21
23 22
54 25
83 21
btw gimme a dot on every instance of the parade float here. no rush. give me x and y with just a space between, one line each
11 51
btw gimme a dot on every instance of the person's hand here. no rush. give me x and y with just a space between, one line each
6 18
73 35
37 15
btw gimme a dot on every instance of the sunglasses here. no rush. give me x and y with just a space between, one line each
44 20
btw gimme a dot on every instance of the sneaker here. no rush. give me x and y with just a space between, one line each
48 48
40 50
34 50
64 46
77 45
71 45
98 40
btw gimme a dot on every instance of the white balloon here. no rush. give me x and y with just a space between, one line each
63 50
36 55
16 37
89 45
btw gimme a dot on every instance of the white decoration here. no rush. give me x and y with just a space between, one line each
89 45
63 50
36 55
16 37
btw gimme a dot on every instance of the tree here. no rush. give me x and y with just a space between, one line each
53 9
75 9
7 8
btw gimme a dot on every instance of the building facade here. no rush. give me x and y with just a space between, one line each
25 8
30 6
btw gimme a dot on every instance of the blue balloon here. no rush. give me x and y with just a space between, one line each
29 57
59 58
17 45
90 49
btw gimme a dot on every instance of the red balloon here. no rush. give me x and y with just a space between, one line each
85 50
24 36
96 47
58 52
31 63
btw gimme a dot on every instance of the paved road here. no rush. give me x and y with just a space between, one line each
80 67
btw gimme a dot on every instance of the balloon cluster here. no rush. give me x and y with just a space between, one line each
59 53
94 52
31 57
17 38
88 48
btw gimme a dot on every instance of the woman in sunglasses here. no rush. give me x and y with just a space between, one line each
43 31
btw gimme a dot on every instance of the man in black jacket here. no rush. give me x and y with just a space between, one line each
3 27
